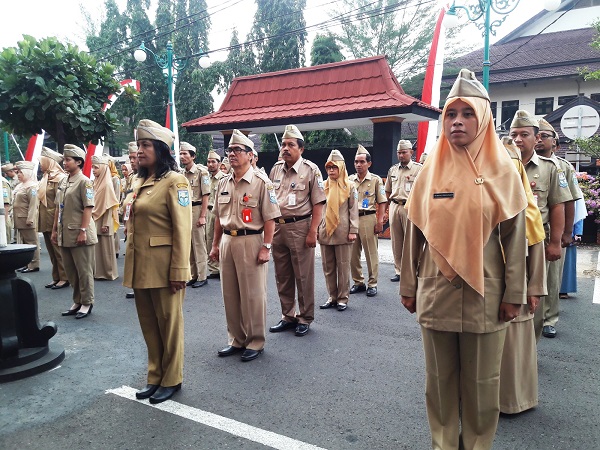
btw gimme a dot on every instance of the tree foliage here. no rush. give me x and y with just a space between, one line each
47 85
325 50
589 146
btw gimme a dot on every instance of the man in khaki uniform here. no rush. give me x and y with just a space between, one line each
200 186
74 231
7 202
8 170
546 143
398 185
548 190
299 189
245 207
51 165
213 162
371 209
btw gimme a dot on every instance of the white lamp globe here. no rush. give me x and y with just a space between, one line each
551 5
204 62
139 55
450 20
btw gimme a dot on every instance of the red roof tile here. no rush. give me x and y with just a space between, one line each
357 86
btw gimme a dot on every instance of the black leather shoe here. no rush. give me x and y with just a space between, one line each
201 283
130 295
214 275
60 286
51 285
395 278
82 315
71 312
21 269
147 392
192 281
230 350
342 307
358 288
371 292
282 326
27 270
328 305
549 331
164 393
302 328
249 355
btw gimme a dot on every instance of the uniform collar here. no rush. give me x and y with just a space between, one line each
368 176
535 159
194 169
296 165
408 166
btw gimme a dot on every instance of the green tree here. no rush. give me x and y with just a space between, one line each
325 50
240 62
47 85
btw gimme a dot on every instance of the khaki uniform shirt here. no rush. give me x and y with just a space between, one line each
158 232
400 180
570 175
453 305
46 213
75 193
199 179
214 185
548 187
25 208
297 188
247 204
7 194
348 222
371 191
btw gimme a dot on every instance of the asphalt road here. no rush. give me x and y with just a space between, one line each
356 381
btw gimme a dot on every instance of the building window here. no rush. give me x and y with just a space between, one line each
494 106
595 97
544 106
509 108
565 99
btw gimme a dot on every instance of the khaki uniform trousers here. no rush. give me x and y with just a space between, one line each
336 268
462 385
538 316
244 287
366 239
58 269
294 268
161 319
552 301
30 236
398 220
519 372
213 266
79 266
198 255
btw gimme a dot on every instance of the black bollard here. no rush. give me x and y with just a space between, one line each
24 346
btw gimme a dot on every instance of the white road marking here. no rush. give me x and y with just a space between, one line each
230 426
597 283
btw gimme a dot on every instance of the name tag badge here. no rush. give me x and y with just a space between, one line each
535 197
407 186
444 195
247 215
60 211
292 200
127 212
365 203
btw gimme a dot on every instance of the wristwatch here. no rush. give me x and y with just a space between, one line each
267 246
83 229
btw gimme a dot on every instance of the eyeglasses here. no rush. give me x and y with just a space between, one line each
546 136
237 150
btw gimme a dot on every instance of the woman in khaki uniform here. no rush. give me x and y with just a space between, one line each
337 231
74 231
50 165
106 218
116 184
157 259
25 209
463 267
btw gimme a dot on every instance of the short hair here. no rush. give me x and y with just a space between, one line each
300 142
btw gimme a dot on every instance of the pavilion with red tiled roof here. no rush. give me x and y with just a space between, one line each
329 96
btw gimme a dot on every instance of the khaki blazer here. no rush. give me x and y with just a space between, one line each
25 208
75 193
159 233
348 222
453 305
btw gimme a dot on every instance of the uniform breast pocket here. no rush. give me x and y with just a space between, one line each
299 187
159 241
251 203
540 194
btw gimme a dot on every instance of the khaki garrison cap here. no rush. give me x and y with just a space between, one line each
466 85
148 129
524 119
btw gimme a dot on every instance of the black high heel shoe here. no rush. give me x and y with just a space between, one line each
81 315
72 312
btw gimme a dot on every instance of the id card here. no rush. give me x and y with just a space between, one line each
407 186
292 200
365 203
60 211
247 215
127 212
535 197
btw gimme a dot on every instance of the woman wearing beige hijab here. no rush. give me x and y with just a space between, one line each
105 215
337 231
25 210
50 165
116 181
463 267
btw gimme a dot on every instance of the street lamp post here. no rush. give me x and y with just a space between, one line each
484 8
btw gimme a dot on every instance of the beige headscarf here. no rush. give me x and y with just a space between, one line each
485 186
336 191
26 168
104 195
53 173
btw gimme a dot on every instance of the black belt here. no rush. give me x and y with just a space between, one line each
292 219
210 207
363 212
242 232
197 203
398 202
